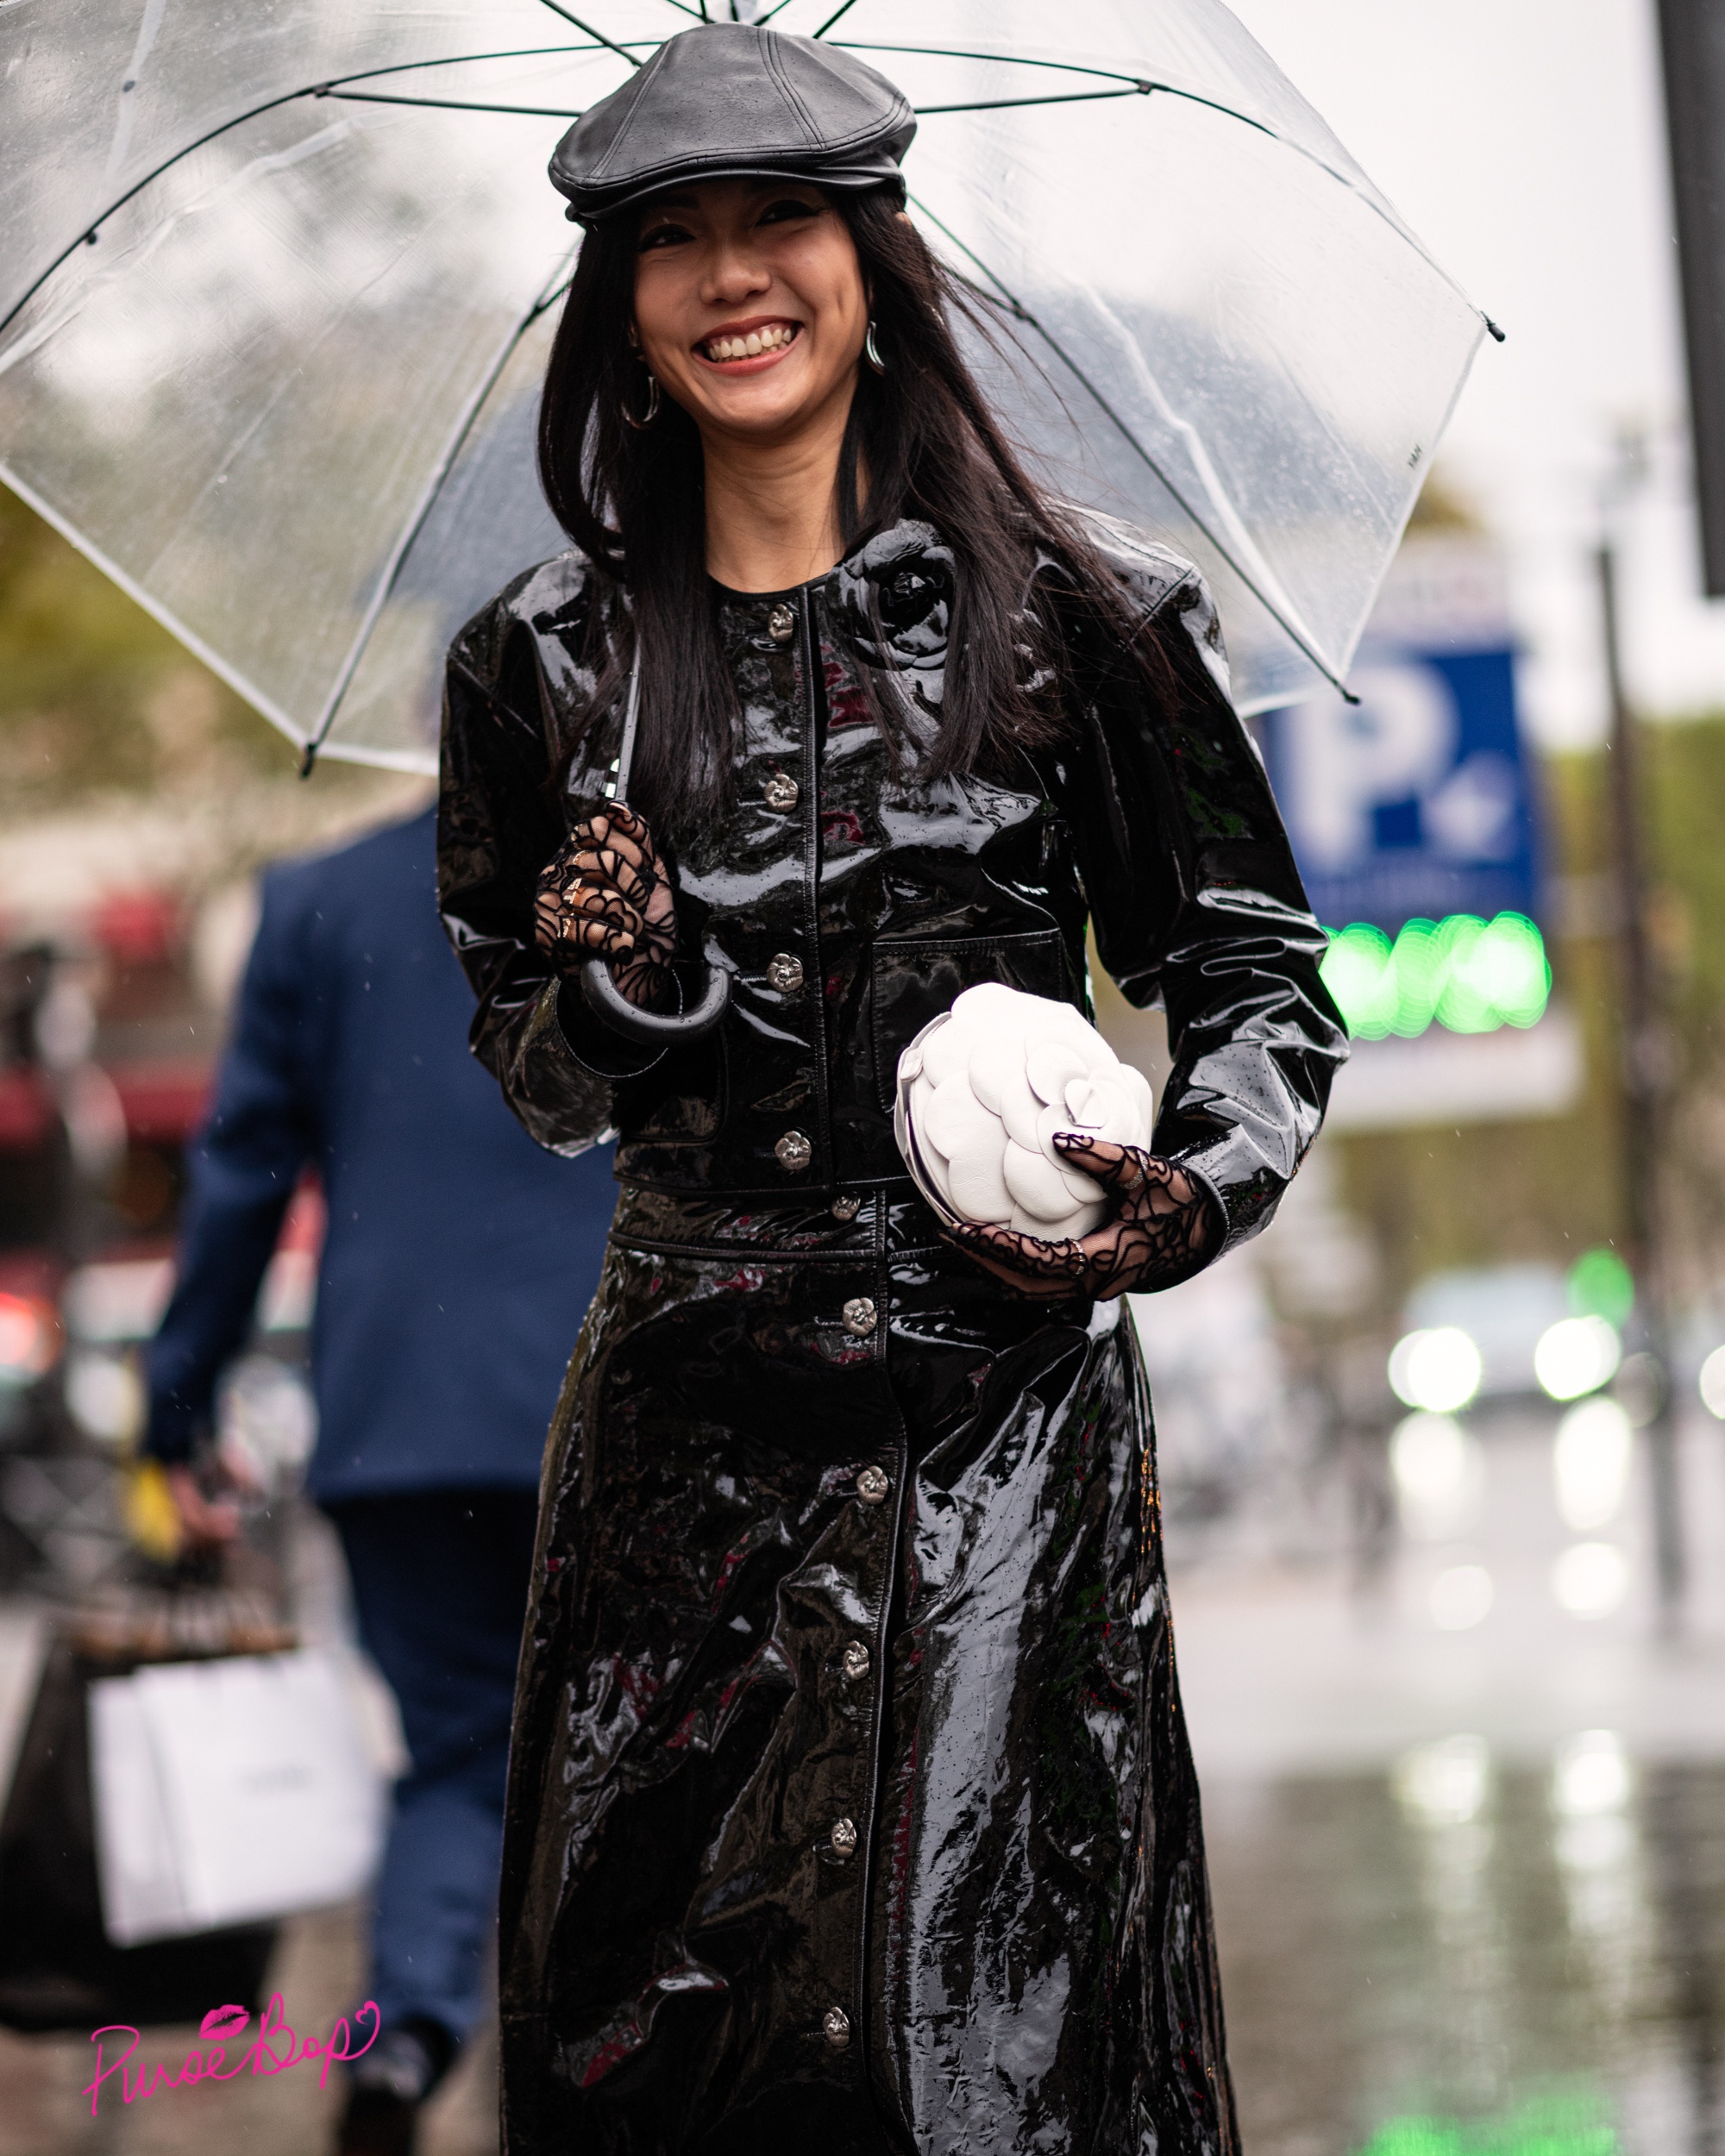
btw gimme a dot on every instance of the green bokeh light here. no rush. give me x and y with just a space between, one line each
1561 2125
1601 1286
1467 974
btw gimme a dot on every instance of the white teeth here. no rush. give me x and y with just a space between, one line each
750 346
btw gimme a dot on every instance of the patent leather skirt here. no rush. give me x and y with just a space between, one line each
850 1795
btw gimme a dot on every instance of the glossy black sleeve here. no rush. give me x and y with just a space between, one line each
498 822
1197 905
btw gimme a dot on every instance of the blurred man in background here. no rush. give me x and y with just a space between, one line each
458 1263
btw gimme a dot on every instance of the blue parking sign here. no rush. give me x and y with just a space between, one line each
1419 801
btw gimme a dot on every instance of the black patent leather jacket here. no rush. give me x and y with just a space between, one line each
890 892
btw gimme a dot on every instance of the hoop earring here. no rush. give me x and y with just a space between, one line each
871 350
641 425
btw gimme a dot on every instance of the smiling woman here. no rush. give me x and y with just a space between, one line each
757 473
749 312
850 1795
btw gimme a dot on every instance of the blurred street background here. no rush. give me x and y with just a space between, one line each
1442 1454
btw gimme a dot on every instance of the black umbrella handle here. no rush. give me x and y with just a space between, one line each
653 1029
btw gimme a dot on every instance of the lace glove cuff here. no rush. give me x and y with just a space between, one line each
1166 1224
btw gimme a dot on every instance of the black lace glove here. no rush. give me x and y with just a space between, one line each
605 893
1164 1222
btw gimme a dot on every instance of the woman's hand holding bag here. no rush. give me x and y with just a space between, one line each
1029 1136
1159 1233
605 893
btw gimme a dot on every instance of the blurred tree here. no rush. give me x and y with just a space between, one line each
95 696
1686 792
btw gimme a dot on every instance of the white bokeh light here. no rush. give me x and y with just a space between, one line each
1438 1474
1590 1579
1712 1383
1590 1462
1445 1784
1577 1356
104 1396
1590 1776
1438 1369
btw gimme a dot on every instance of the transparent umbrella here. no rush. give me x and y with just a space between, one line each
277 282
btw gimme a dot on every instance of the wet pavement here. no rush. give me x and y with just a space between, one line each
1469 1877
1409 1975
1471 1881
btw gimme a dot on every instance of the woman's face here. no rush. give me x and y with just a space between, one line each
749 306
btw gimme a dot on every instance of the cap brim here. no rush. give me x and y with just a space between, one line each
842 178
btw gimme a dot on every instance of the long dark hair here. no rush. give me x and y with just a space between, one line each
631 499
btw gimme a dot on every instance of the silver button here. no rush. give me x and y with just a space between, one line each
785 973
855 1661
793 1152
846 1208
843 1838
835 2026
859 1317
781 793
781 623
872 1486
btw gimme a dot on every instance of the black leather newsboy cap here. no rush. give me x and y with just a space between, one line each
730 101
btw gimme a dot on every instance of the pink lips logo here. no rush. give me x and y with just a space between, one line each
275 2048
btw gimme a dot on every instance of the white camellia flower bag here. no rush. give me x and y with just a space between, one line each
981 1091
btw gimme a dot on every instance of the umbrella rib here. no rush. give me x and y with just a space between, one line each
447 104
1012 104
1002 59
1192 97
404 545
623 50
1010 299
87 237
831 19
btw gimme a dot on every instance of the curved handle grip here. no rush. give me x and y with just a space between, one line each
653 1029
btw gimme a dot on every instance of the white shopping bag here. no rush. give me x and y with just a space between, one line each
229 1791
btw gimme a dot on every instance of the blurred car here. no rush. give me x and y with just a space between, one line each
1505 1310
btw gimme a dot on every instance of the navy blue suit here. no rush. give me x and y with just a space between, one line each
460 1259
458 1265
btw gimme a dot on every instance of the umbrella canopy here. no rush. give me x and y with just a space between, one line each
277 282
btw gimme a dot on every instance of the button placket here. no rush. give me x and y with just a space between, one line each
808 958
862 1660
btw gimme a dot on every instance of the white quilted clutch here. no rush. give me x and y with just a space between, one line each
981 1091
